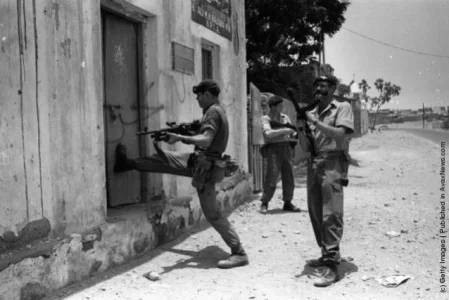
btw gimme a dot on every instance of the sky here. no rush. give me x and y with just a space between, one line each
415 25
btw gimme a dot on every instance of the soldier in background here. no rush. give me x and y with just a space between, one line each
278 153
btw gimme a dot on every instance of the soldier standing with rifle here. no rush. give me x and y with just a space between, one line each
331 124
278 152
205 165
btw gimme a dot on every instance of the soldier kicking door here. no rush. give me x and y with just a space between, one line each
121 104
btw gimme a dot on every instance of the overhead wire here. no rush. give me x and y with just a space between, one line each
393 46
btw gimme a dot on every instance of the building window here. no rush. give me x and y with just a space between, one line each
207 63
210 62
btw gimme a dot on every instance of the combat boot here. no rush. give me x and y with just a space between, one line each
122 162
329 277
235 260
320 262
288 206
315 263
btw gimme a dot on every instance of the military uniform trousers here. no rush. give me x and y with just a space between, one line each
325 202
175 163
279 161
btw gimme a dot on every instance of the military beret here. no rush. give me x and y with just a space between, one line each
331 79
207 85
274 100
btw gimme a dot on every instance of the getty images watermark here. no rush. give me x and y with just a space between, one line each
443 230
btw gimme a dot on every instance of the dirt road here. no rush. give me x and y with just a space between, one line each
395 188
434 135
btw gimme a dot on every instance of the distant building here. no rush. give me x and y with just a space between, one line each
385 111
440 110
427 110
404 112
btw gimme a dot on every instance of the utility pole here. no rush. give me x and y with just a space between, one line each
423 114
319 56
322 39
320 48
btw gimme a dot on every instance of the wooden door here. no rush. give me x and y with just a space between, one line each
255 133
121 104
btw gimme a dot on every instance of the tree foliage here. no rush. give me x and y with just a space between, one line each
386 90
287 33
364 87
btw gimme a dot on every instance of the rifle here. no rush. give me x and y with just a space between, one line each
275 125
188 129
301 115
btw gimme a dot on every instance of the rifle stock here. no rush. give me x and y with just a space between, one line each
301 115
301 112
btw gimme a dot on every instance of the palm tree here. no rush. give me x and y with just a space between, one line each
363 85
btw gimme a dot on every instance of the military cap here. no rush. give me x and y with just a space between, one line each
331 79
274 100
207 85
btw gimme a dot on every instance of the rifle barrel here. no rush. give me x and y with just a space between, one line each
182 128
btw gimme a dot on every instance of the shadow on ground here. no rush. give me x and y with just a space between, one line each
278 211
206 258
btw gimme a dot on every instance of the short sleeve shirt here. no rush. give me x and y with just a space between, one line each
215 119
267 126
336 114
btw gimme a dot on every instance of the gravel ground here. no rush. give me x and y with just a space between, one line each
394 188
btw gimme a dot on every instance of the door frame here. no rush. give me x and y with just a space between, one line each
138 16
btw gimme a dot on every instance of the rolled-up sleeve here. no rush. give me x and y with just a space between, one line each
345 117
210 121
265 124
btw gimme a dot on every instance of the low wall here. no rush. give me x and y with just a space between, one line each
43 266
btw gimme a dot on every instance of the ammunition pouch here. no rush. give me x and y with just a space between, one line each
208 169
231 166
218 171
